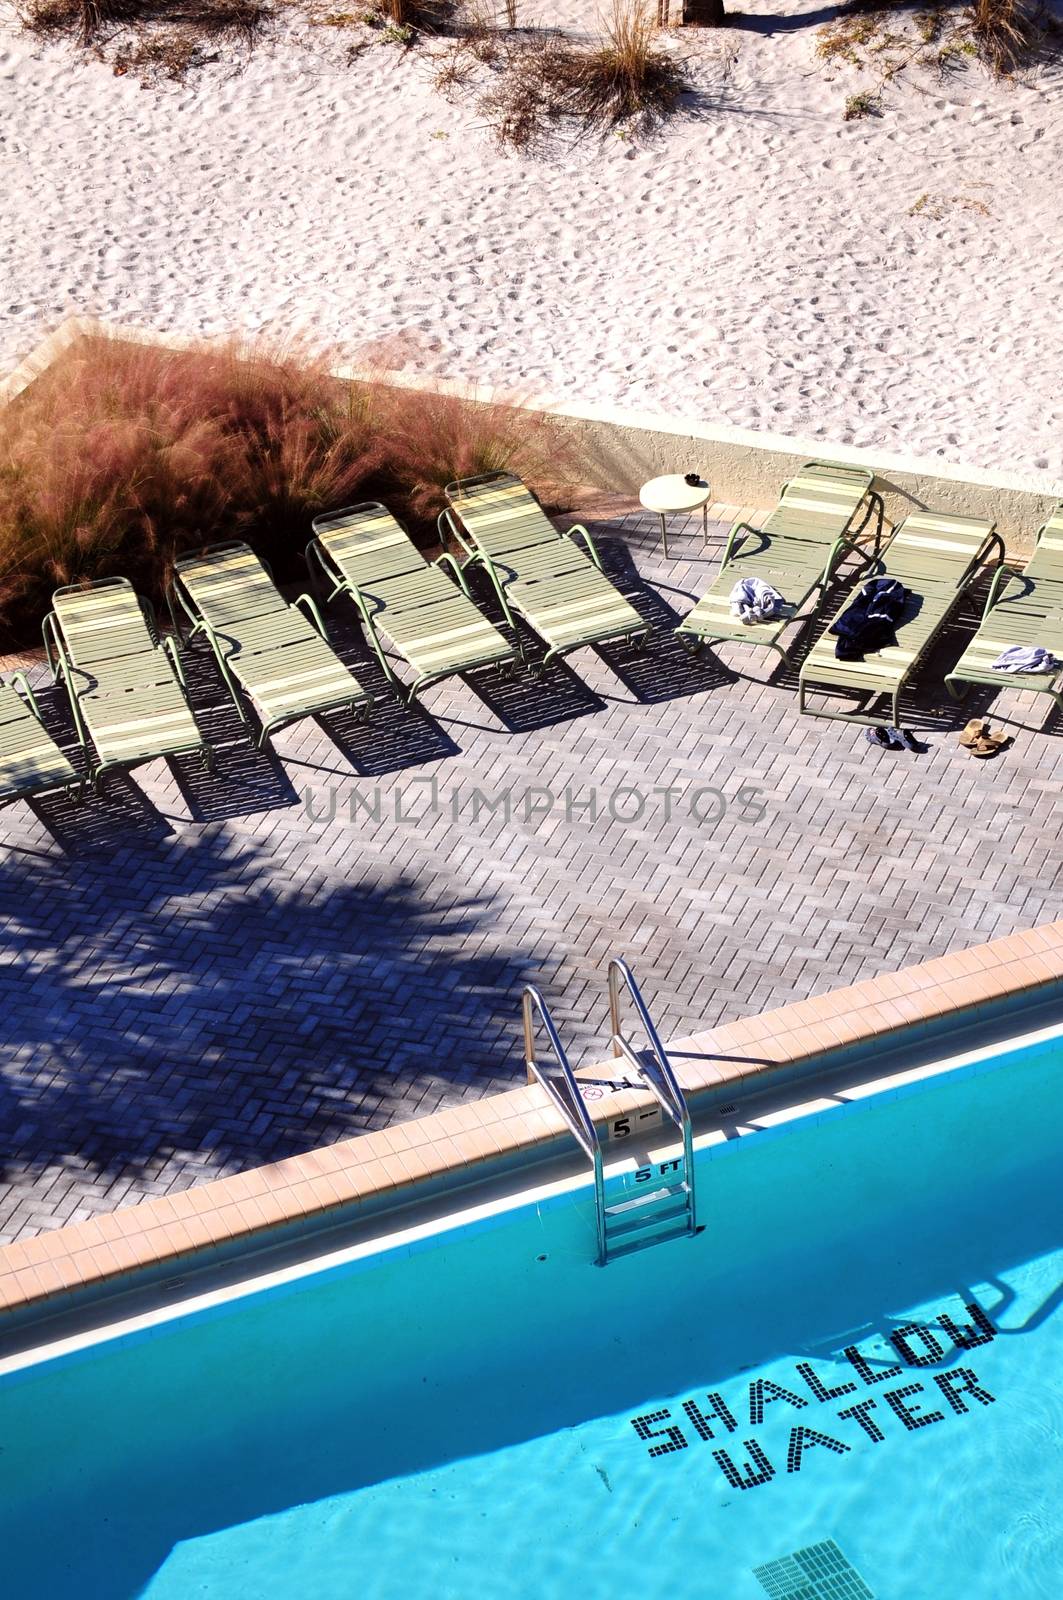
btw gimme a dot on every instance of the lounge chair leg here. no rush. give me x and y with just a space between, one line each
957 689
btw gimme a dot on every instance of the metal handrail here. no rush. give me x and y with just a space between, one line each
669 1095
572 1105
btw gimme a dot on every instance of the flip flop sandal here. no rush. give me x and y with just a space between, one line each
975 730
990 745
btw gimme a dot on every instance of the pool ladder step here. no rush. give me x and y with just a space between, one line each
627 1221
635 1222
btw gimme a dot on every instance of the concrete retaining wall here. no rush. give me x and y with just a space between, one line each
619 450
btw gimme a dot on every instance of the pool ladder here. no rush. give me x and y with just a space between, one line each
665 1208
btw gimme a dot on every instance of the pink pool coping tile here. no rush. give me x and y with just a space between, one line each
459 1139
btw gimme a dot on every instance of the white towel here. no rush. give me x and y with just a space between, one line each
1026 658
756 601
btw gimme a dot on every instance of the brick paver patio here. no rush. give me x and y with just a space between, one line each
202 974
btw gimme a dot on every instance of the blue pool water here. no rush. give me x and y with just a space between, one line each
482 1414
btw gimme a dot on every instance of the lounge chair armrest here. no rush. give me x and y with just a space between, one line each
52 648
982 560
362 605
736 529
499 587
833 556
169 647
447 560
309 605
318 563
20 678
1000 577
446 525
592 548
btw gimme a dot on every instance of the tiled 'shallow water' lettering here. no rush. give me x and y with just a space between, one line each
918 1345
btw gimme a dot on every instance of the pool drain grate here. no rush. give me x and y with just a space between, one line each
819 1572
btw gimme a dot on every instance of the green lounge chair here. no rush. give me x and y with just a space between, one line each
797 550
281 660
31 763
560 590
935 555
1022 609
362 552
126 686
1047 558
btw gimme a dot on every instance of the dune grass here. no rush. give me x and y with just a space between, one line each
623 79
1007 32
152 39
121 457
1003 35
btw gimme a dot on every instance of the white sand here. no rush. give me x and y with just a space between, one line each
758 262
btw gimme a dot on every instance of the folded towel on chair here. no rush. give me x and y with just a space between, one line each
756 601
1026 658
871 621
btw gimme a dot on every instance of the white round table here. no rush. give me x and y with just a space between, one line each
673 493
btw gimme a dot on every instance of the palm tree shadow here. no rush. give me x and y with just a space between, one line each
190 1004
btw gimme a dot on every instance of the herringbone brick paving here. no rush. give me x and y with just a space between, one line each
200 974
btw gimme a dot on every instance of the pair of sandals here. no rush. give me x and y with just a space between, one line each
981 741
895 739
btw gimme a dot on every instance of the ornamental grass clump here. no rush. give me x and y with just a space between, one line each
121 457
428 439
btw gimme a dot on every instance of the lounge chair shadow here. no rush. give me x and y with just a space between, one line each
529 698
662 669
120 816
245 779
392 737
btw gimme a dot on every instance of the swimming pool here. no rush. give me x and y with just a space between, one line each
850 1383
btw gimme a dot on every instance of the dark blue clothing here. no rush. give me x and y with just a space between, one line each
871 621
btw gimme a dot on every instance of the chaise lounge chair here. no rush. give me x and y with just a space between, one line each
126 686
31 763
1022 609
282 662
363 552
937 557
1047 558
797 550
559 589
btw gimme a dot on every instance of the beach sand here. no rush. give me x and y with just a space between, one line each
892 282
